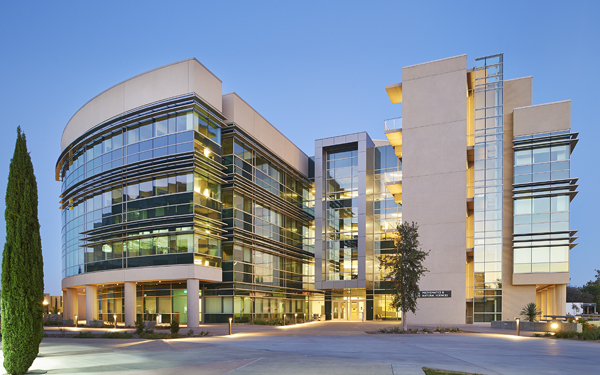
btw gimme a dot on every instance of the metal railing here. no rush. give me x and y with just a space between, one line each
393 124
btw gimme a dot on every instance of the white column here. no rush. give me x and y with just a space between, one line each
70 304
91 303
130 299
193 303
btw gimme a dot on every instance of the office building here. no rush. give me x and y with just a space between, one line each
181 202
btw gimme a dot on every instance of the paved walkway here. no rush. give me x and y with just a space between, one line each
320 348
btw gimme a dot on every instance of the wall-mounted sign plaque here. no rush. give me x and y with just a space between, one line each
435 293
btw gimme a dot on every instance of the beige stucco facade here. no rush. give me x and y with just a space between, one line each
180 78
246 117
433 180
517 93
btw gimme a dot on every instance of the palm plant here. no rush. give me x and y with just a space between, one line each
531 312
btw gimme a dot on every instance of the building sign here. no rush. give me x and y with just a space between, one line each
435 294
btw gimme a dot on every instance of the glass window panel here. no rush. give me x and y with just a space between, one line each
214 132
523 179
560 175
522 268
133 191
540 267
172 184
160 186
539 177
559 226
146 131
559 267
522 255
117 195
522 206
540 254
182 122
133 135
185 182
559 254
161 127
559 153
522 157
540 227
541 155
560 165
541 205
117 140
544 167
146 189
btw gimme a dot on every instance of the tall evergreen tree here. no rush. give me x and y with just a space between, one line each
404 268
22 266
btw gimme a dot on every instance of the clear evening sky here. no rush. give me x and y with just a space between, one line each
314 69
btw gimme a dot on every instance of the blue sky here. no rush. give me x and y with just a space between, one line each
312 68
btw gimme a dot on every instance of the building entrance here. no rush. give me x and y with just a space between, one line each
353 310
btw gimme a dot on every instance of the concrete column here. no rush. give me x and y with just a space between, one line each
561 299
70 304
193 303
130 299
91 303
543 306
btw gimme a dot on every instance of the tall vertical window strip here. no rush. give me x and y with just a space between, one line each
342 215
489 129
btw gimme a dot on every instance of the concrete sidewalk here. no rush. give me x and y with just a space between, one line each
325 328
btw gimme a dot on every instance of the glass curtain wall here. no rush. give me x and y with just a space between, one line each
387 213
542 194
341 227
489 129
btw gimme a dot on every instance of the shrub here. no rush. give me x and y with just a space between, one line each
139 325
426 330
202 333
174 326
530 311
537 335
590 333
190 333
116 335
548 334
84 335
565 334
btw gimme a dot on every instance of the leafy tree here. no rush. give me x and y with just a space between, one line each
593 287
575 294
22 266
530 311
404 268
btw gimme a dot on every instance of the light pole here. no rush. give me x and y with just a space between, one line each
230 319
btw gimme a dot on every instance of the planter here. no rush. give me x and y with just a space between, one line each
536 326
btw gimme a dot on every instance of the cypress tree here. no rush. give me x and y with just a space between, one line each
22 266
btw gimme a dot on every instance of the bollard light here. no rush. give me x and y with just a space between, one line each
115 319
230 326
284 320
295 318
518 321
76 321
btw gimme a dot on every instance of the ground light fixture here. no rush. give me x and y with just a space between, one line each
230 319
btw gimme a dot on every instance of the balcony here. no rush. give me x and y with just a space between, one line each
393 125
393 132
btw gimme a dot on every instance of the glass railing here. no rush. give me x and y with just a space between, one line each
393 124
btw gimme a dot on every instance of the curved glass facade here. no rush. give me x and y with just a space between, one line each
144 189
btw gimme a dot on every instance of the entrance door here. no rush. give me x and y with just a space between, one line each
357 311
339 310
